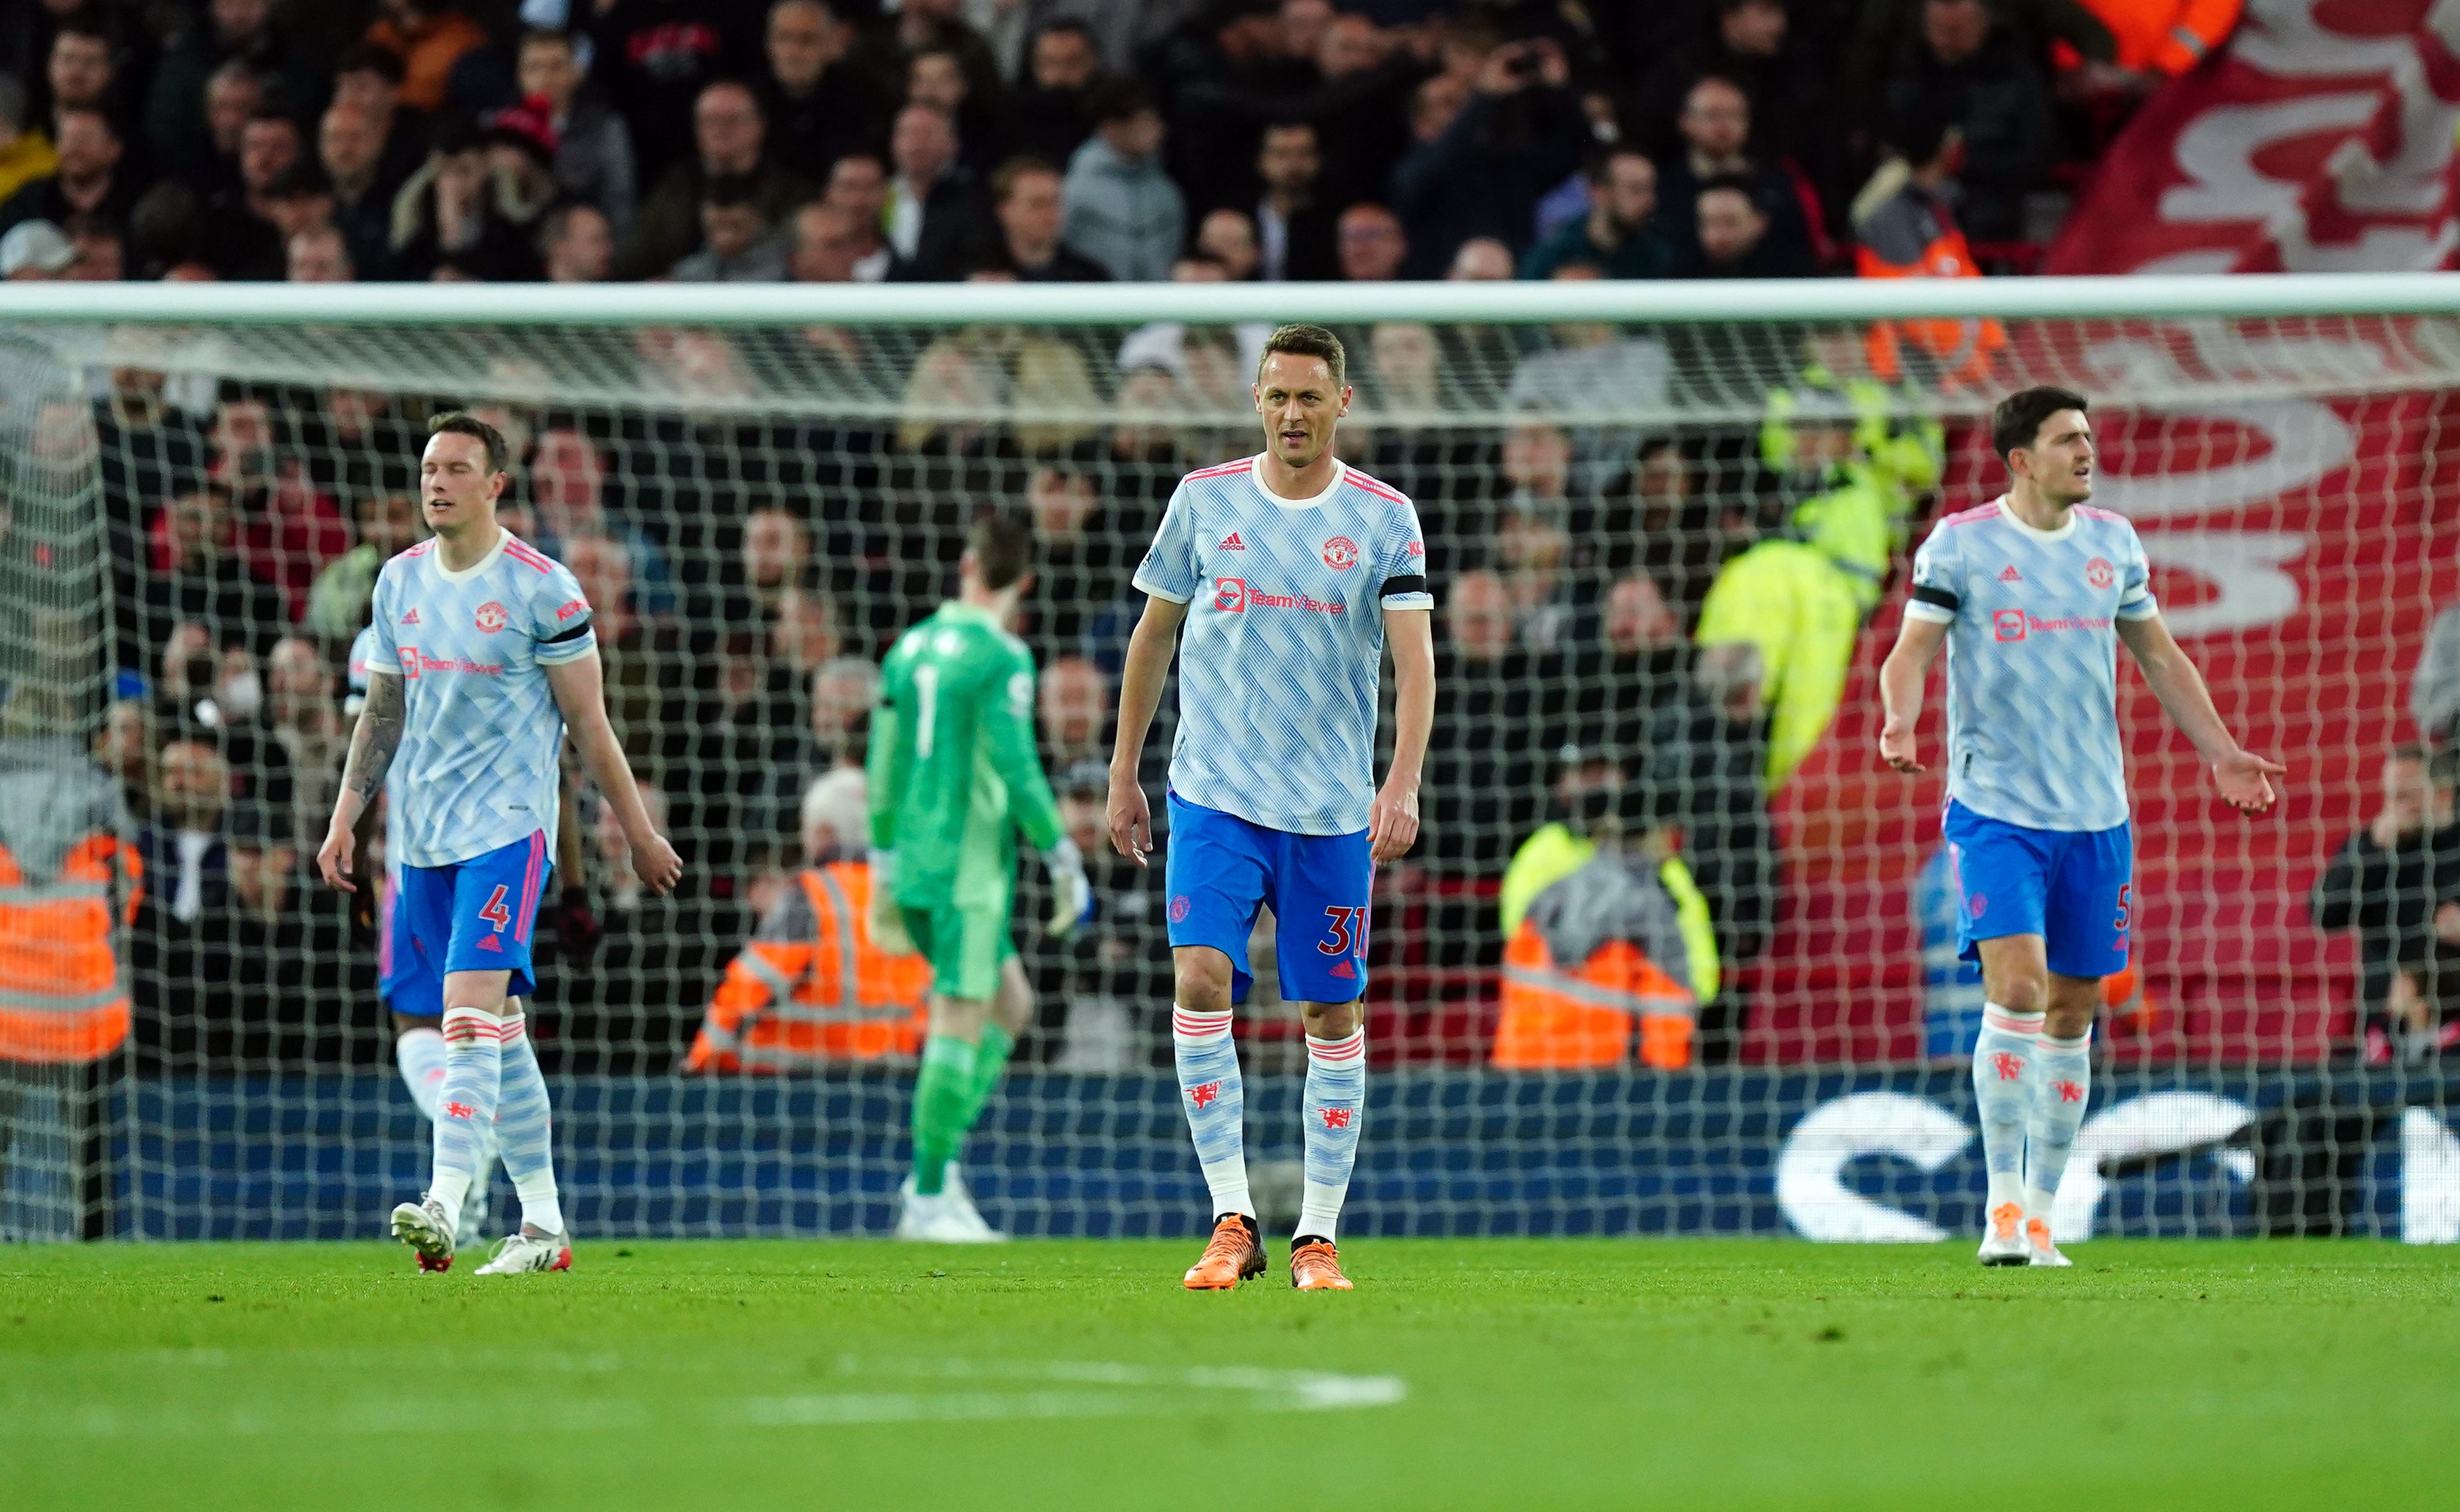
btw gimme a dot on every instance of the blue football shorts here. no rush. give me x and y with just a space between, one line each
472 915
1221 869
2069 886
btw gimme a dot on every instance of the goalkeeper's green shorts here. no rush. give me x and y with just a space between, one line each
965 947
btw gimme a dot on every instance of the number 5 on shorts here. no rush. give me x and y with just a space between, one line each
494 911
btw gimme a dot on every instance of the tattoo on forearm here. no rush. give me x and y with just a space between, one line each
377 737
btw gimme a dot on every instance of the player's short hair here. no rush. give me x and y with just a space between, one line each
1002 545
1306 340
462 422
2019 417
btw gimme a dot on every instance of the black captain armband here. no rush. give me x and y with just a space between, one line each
1415 582
573 634
1937 597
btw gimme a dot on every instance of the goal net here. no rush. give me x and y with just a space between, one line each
1667 530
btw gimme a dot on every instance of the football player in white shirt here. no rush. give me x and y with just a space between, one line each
484 655
1287 570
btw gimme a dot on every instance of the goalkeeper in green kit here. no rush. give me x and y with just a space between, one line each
953 776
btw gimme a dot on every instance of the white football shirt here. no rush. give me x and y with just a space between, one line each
2032 669
1284 645
478 765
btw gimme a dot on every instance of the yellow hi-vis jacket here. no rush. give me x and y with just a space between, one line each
61 999
811 988
1802 612
1595 947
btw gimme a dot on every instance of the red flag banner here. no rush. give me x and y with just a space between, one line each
2318 140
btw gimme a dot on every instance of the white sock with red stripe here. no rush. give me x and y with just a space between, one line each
522 1131
2063 1078
1216 1104
473 1070
418 1054
2002 1095
1336 1105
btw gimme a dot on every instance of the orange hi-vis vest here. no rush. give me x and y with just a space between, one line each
1963 350
813 989
62 998
2165 37
1558 1019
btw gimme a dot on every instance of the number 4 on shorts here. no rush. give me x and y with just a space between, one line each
494 911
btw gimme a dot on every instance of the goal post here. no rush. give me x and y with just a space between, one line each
760 485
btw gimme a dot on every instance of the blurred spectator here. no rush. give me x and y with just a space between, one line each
566 479
651 59
1533 549
1716 130
887 48
1027 196
593 153
1707 760
1733 239
1906 226
1481 763
1218 76
730 137
242 236
638 669
1967 68
1607 932
2397 883
937 216
455 211
577 244
1631 661
1073 714
1487 151
369 79
306 718
82 72
737 246
935 79
1799 604
1592 357
2160 39
350 147
101 251
25 149
1372 245
287 529
187 864
844 690
1361 109
88 182
1620 234
226 60
1480 260
797 955
1104 976
1122 210
858 188
827 244
775 557
1887 29
1753 43
1049 114
1294 225
318 254
1228 237
820 105
123 747
803 636
388 524
202 579
429 36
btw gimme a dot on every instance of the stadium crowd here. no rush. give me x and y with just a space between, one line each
1640 634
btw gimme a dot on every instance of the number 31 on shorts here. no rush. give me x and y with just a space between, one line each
1345 929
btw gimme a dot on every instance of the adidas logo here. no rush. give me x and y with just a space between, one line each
1232 542
2011 575
1344 972
411 618
487 942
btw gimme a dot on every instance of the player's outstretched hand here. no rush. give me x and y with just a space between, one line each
2244 779
1131 819
655 863
1897 750
887 924
333 857
1392 826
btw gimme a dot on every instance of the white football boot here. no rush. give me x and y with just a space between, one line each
935 1220
2037 1239
962 1202
425 1226
2003 1242
528 1250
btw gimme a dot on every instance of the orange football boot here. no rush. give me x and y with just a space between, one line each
1236 1253
1316 1266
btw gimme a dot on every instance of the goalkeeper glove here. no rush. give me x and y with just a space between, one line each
1071 896
886 921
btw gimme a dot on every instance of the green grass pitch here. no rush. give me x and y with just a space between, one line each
1548 1373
